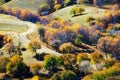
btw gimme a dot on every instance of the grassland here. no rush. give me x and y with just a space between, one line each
89 12
1 2
32 5
12 28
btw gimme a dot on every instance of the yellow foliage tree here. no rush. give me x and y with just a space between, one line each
34 45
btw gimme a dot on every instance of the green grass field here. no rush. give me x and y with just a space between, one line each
32 5
1 2
13 28
89 12
9 27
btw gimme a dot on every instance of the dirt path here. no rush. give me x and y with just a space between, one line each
23 35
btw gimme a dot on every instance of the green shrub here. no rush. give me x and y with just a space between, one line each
17 68
44 9
66 48
89 19
76 11
102 75
51 63
3 62
109 62
35 68
64 75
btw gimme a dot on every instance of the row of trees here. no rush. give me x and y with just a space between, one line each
24 14
14 67
76 65
108 74
57 4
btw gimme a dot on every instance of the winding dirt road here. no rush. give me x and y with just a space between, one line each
23 36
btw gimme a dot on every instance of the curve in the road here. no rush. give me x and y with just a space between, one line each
23 36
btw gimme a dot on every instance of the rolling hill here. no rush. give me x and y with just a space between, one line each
29 4
80 19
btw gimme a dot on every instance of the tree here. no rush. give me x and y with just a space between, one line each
64 75
83 62
56 76
69 61
109 62
98 2
67 2
6 0
11 49
41 32
44 9
82 56
96 57
35 78
78 39
51 3
35 68
4 40
3 62
89 19
16 12
61 35
57 6
55 24
17 68
109 44
44 20
84 1
76 10
66 48
50 63
34 45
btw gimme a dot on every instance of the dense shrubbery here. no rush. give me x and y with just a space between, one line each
96 57
109 44
64 75
69 61
17 68
82 56
109 62
51 63
23 14
3 62
102 75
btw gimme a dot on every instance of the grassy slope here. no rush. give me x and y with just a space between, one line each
89 12
6 29
29 4
1 2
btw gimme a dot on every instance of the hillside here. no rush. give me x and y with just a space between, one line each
29 4
89 12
